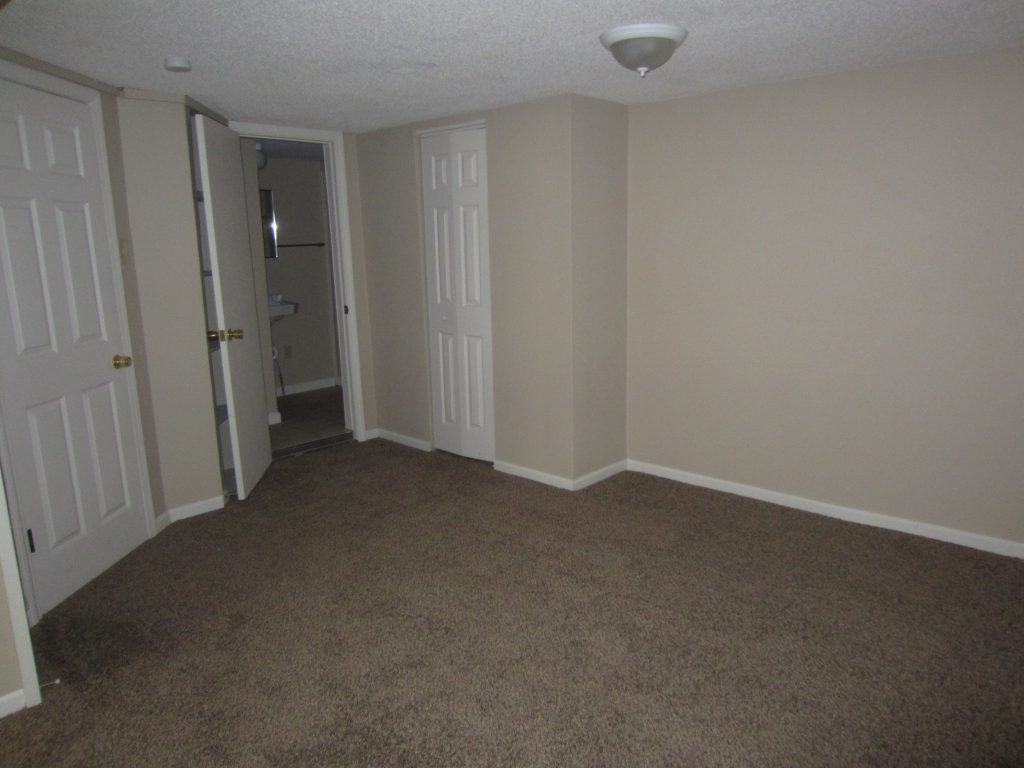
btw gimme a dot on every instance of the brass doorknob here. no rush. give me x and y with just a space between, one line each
215 335
121 361
234 334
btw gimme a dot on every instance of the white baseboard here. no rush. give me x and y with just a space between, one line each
849 514
274 417
598 475
309 386
162 521
371 434
195 508
12 702
557 481
395 437
536 475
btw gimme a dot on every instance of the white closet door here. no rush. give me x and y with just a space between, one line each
72 460
227 243
454 173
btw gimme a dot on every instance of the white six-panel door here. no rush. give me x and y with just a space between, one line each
456 242
71 441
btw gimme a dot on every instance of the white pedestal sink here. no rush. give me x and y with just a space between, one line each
279 308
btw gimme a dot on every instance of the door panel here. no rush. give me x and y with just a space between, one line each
106 449
70 456
227 242
28 299
81 270
455 216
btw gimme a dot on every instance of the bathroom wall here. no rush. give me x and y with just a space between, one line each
306 341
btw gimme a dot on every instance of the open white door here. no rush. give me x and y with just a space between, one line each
454 172
71 450
226 234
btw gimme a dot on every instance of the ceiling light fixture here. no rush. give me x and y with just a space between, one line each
177 64
643 47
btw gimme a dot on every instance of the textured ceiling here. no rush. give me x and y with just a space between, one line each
361 64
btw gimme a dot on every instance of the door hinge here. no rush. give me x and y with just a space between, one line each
346 309
31 542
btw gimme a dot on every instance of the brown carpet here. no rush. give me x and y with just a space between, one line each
372 605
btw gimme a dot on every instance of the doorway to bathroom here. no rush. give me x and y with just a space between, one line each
303 359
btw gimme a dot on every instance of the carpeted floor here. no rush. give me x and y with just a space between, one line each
309 420
371 605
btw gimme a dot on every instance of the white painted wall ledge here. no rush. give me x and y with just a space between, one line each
849 514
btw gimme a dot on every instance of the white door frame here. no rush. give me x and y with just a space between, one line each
333 143
18 581
29 695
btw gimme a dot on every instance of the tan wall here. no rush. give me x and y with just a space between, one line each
530 225
362 296
825 289
530 204
599 130
165 254
394 279
133 308
306 341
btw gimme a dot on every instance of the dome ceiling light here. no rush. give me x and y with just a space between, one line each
643 47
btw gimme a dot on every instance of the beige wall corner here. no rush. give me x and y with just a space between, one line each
259 269
360 289
825 289
599 145
394 280
133 307
165 255
530 198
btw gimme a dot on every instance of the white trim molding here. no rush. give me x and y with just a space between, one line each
274 417
557 481
598 475
397 437
200 507
306 386
28 695
12 702
849 514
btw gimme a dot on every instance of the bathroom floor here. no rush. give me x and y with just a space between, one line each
309 420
